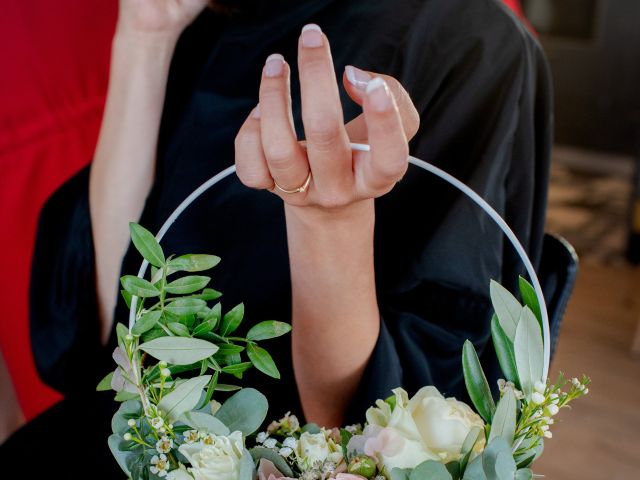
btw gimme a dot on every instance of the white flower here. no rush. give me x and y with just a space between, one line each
131 422
427 427
552 409
285 451
165 372
290 442
261 437
157 423
537 398
219 460
312 447
191 436
270 443
179 474
164 445
539 387
127 437
123 376
548 435
160 465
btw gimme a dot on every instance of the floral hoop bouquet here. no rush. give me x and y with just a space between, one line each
179 346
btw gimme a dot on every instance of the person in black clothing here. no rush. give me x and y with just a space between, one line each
398 300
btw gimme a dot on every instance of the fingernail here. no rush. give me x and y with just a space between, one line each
274 65
311 36
358 78
256 111
379 94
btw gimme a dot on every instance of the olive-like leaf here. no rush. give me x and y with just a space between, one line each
185 306
504 420
529 351
146 322
146 244
507 308
504 351
139 286
192 263
262 360
179 350
179 329
268 329
476 382
184 398
186 285
431 470
232 319
530 298
105 383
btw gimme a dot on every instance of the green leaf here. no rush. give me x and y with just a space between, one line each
121 332
179 329
268 329
124 396
185 306
205 422
146 322
431 470
244 411
238 368
504 420
232 319
139 286
524 474
189 284
530 298
497 461
224 387
474 470
127 410
152 334
454 469
529 351
467 446
208 294
229 349
268 454
127 298
507 308
146 244
192 263
179 350
504 351
105 383
400 473
209 322
345 436
476 382
247 468
262 360
123 458
184 398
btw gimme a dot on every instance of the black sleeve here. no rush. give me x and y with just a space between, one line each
65 336
481 85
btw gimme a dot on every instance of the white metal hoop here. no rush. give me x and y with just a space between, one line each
418 163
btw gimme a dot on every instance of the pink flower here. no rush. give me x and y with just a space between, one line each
268 471
349 476
123 375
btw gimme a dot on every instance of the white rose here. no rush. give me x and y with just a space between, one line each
443 423
312 447
430 427
219 460
179 474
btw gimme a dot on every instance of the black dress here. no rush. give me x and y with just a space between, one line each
481 85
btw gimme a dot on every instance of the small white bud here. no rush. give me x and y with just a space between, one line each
539 387
285 451
576 383
261 437
544 428
537 398
585 391
127 436
548 434
162 364
165 372
131 422
270 443
553 409
550 421
129 337
290 442
170 426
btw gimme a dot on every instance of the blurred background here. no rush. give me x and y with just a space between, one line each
52 89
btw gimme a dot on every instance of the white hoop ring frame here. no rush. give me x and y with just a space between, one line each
418 163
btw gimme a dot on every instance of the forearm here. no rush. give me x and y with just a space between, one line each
335 312
124 162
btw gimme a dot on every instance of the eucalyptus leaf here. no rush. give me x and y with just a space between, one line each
474 470
497 461
504 420
244 411
179 329
247 468
232 319
192 263
127 410
505 466
530 298
179 350
146 244
476 382
146 322
524 474
139 286
507 308
400 473
122 457
124 396
504 351
467 446
205 422
184 398
431 470
186 285
268 329
268 454
185 306
105 383
529 351
262 360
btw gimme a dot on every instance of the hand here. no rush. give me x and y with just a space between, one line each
268 152
158 16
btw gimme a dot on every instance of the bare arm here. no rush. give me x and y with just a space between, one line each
124 161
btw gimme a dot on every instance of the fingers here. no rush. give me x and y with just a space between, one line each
251 164
355 82
327 141
286 160
388 159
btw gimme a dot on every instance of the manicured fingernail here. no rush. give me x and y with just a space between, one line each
311 36
358 78
256 111
274 65
379 94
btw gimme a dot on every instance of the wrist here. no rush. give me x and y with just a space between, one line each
356 217
134 40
